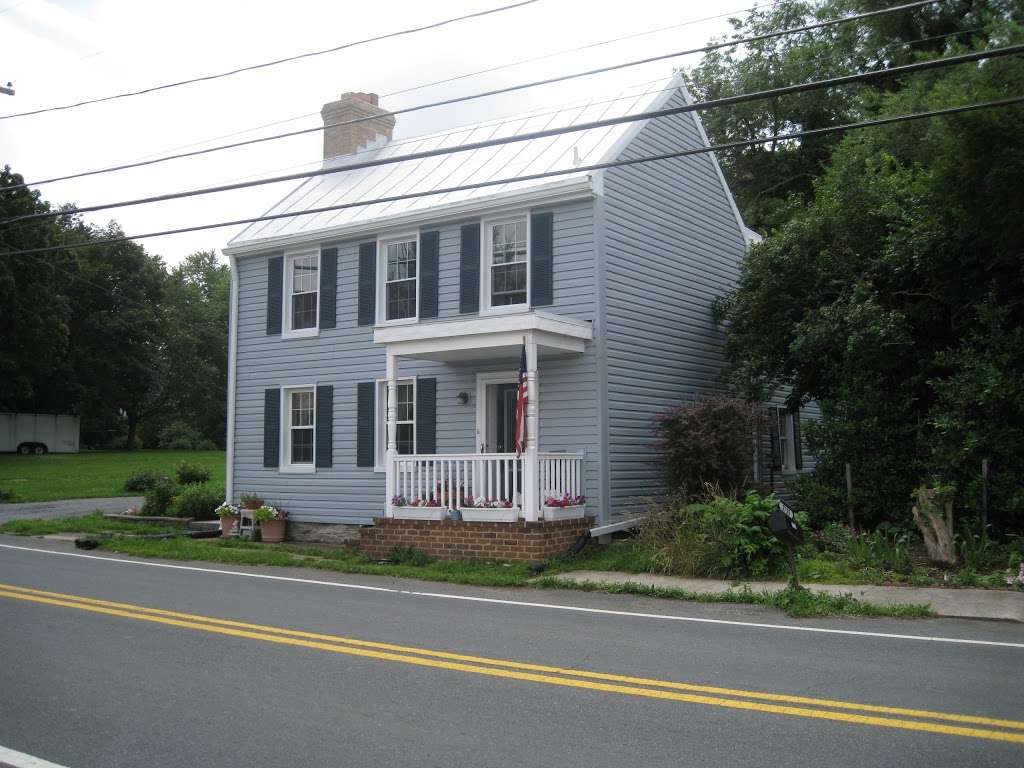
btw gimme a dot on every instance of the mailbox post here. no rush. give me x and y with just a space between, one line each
786 529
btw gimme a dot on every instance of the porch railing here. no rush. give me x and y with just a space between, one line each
449 478
559 474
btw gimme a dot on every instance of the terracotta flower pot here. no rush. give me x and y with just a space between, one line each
227 523
272 531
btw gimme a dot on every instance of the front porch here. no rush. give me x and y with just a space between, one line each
487 482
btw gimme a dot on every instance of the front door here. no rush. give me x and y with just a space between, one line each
505 417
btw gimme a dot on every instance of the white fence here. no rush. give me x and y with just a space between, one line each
559 474
450 478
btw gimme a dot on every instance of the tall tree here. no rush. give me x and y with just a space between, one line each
118 328
770 181
35 316
886 295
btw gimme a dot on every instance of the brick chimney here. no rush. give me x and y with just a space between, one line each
348 139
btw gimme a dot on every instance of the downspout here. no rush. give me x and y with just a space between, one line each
229 478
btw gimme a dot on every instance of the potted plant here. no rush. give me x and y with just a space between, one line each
272 522
565 508
230 519
484 510
250 501
417 509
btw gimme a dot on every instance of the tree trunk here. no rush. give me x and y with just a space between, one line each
936 526
133 424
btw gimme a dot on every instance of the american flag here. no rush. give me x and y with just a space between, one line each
521 397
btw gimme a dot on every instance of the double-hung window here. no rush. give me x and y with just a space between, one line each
506 265
785 427
405 432
299 422
401 286
302 294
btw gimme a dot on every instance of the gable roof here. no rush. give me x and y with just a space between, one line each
531 156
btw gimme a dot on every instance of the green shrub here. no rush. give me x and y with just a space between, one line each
159 497
834 537
190 474
141 481
720 537
198 501
823 503
887 549
6 496
408 556
179 436
206 445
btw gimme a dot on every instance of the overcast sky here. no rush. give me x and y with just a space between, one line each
58 52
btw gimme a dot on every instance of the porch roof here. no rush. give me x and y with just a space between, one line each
485 338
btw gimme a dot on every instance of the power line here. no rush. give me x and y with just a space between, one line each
470 97
275 62
561 172
548 132
574 50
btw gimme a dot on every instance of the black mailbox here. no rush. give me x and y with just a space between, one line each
783 524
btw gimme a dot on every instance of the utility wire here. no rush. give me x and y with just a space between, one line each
455 100
509 65
275 62
561 172
548 132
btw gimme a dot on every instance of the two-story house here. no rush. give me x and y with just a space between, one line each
375 346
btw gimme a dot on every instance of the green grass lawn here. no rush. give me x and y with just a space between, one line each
94 523
92 474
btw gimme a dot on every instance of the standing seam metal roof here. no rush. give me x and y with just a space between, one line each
478 165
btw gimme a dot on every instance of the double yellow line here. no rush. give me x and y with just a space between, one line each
993 729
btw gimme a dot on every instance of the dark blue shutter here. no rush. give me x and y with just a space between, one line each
365 436
542 259
469 269
271 427
367 283
426 415
798 449
429 247
773 436
329 288
275 280
325 426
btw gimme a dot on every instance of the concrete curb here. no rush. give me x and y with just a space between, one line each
959 603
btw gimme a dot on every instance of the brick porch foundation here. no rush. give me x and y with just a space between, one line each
460 540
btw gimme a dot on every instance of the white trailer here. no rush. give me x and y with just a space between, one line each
38 433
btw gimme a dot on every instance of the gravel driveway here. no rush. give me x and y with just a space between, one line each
38 510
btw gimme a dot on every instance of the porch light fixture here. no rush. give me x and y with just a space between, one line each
462 397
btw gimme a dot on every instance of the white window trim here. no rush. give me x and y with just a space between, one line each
486 245
380 421
382 274
284 462
286 311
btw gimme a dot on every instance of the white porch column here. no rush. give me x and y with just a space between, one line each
390 473
531 490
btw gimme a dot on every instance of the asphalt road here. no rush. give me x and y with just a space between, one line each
87 683
38 510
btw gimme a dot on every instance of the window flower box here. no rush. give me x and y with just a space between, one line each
417 509
564 508
488 511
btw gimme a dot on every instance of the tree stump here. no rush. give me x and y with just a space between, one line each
934 518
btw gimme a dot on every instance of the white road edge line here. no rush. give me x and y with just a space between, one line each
526 604
21 760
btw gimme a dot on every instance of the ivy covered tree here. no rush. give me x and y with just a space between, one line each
892 293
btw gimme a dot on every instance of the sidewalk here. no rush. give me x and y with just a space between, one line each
959 603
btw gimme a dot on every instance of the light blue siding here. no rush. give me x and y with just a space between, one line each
346 355
671 244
